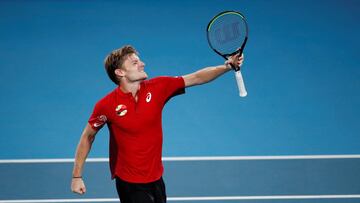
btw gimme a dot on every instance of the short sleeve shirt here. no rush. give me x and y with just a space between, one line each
135 128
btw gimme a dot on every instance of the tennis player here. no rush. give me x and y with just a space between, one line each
132 112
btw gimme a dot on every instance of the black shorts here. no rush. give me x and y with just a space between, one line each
153 192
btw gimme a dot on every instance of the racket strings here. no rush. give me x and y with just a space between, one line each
227 33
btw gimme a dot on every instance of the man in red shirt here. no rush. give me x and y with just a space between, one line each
132 112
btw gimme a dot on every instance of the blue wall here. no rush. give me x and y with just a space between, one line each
301 71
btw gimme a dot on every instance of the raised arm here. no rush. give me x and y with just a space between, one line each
82 151
208 74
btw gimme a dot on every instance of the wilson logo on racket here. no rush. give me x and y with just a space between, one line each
227 33
121 110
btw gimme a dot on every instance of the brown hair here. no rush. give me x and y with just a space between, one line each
116 59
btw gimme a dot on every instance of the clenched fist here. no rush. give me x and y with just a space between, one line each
78 186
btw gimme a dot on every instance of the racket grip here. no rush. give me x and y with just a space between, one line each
240 84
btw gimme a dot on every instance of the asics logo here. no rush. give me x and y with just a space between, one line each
148 97
97 125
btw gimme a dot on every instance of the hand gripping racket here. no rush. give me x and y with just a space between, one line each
227 34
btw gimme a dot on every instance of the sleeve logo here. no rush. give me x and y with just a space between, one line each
100 120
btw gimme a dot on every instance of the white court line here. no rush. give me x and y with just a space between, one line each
193 158
215 198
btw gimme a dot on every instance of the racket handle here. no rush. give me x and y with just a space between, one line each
240 84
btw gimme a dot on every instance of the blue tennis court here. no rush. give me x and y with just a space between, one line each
294 138
235 179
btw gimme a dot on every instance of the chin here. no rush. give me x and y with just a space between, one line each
139 77
145 76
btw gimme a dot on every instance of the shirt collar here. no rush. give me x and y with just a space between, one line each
123 94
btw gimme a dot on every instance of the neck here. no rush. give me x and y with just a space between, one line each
132 87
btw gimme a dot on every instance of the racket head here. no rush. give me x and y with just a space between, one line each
227 33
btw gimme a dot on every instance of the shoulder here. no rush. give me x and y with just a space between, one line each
168 85
104 101
162 79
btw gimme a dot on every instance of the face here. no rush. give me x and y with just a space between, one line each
132 69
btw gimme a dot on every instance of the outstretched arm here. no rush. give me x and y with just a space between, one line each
82 151
208 74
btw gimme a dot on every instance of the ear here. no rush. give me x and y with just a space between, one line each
119 72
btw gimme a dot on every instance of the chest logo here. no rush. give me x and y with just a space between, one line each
148 97
121 110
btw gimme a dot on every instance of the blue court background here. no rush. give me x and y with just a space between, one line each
301 70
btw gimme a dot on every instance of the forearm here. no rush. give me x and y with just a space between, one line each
82 152
208 74
205 75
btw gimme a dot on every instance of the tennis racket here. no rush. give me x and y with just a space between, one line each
227 34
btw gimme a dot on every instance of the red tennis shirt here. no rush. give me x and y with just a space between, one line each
136 128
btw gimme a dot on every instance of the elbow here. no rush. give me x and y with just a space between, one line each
198 80
91 138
